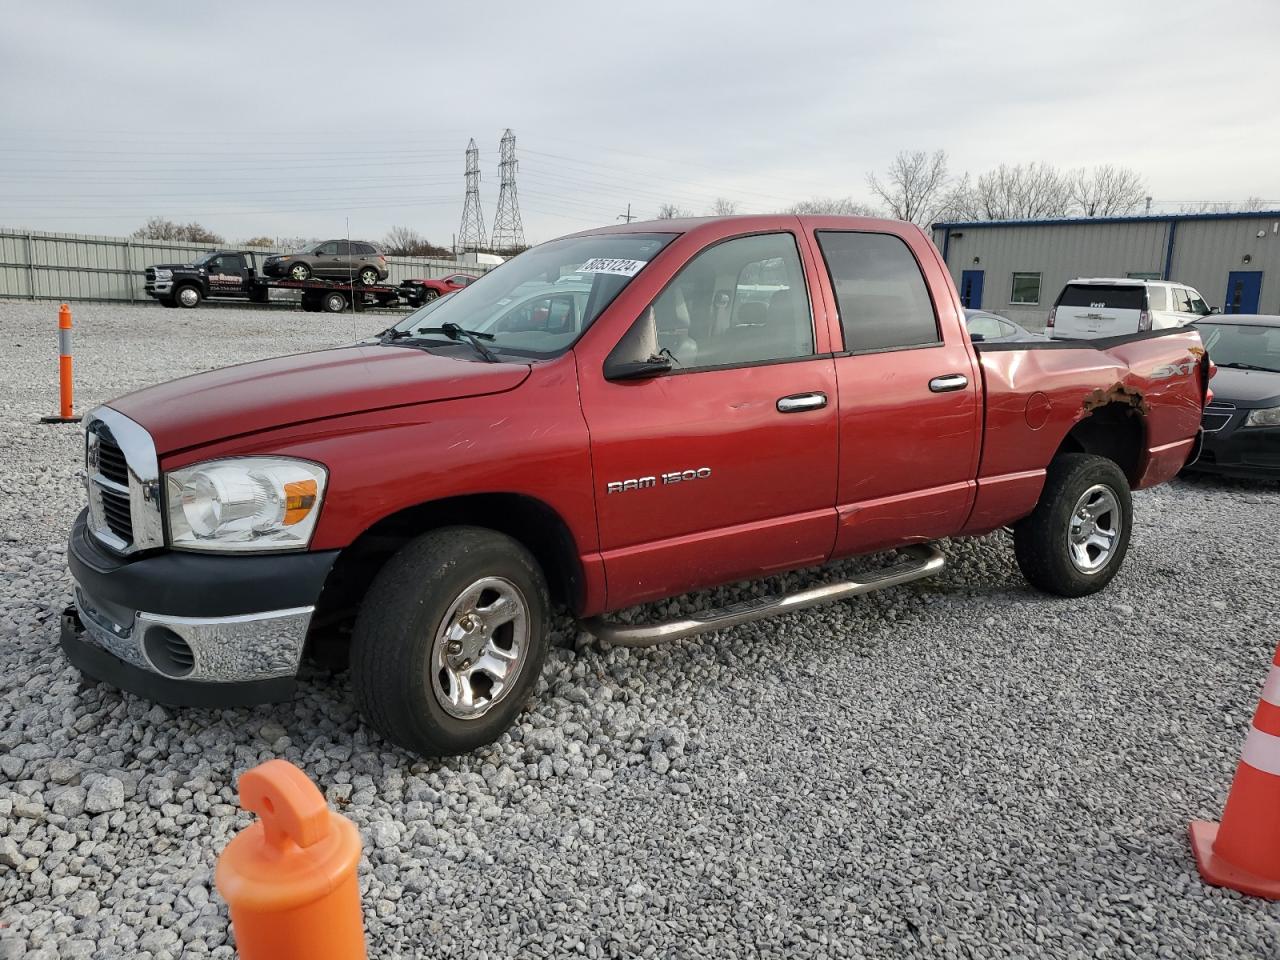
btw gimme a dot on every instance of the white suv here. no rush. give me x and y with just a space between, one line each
1110 307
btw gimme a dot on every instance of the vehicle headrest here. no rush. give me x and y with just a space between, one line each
753 311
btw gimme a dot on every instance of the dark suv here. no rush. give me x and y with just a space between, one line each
331 260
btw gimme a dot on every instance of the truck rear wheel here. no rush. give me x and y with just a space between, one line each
450 640
188 296
334 302
1075 540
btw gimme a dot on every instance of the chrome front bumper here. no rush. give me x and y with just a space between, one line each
235 649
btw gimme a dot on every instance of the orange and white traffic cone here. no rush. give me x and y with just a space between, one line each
1243 851
290 879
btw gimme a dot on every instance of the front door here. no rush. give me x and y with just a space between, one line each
725 468
971 289
226 275
1244 289
910 394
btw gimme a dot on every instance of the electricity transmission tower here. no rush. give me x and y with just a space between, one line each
508 231
471 233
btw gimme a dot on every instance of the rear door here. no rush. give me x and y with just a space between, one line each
1087 310
910 393
725 468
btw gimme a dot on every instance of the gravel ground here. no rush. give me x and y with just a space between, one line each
960 768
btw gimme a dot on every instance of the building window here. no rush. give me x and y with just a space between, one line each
1025 289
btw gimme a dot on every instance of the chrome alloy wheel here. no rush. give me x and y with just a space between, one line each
1096 524
189 296
479 648
299 272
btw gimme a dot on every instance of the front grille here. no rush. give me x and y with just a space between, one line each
1216 416
123 481
111 462
115 510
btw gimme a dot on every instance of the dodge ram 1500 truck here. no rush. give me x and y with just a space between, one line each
610 418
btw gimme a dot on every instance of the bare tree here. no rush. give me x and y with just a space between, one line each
1226 206
258 242
160 228
407 242
1106 191
724 208
832 206
669 211
916 187
1017 192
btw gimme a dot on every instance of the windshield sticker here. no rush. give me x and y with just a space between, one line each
623 268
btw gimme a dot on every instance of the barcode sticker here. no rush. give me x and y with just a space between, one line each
623 268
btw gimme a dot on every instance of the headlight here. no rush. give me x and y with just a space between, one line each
1269 417
164 274
247 503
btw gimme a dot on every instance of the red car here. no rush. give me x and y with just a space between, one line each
419 291
614 417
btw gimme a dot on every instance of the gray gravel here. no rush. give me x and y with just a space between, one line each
961 768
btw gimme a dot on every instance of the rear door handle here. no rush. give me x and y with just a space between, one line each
948 382
799 402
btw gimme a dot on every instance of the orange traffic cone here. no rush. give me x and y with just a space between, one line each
290 878
1243 852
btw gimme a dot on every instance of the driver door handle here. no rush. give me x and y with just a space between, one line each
799 402
948 382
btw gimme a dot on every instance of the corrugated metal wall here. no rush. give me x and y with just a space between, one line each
69 266
1205 251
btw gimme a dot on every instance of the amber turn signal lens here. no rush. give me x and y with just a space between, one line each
299 498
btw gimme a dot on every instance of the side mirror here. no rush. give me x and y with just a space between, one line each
636 356
977 337
1213 310
654 366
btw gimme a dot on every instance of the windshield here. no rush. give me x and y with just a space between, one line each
1241 344
201 261
539 303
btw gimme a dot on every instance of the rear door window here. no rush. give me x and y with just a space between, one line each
1102 296
880 292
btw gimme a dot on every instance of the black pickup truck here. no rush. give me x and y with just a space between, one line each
237 275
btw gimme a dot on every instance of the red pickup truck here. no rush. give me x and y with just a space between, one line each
610 418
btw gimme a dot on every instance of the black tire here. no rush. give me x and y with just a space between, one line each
187 296
369 276
1042 541
169 302
393 643
334 302
299 271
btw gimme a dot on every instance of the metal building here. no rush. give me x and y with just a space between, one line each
1018 267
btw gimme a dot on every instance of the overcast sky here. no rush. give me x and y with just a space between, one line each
267 119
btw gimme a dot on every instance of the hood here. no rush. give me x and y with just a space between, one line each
250 397
1246 388
174 266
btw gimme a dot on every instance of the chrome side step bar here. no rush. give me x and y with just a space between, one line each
920 561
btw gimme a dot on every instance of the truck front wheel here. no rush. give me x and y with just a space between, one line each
187 296
450 640
1075 540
